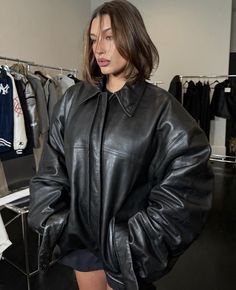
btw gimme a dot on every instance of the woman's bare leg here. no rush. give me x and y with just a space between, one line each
92 280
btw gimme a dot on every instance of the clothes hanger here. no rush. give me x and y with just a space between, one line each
215 82
61 71
5 66
43 74
199 82
39 73
185 83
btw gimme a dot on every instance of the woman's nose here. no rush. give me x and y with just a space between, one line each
99 47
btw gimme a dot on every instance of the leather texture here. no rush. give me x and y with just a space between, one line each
132 176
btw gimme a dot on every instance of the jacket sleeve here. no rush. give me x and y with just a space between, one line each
179 200
49 188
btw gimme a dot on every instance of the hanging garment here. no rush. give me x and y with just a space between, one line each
3 182
64 83
192 100
52 95
41 102
43 76
6 112
19 133
223 102
231 97
4 240
71 76
205 118
28 98
12 154
176 88
22 98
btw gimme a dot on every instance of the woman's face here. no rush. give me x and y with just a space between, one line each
107 56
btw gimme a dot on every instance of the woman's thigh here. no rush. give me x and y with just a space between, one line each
92 280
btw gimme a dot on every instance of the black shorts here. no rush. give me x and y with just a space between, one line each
82 260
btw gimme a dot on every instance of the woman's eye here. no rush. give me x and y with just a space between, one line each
108 37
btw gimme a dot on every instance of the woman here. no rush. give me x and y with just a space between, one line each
124 185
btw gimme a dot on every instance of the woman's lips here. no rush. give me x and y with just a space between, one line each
103 62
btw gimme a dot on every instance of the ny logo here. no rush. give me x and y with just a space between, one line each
4 90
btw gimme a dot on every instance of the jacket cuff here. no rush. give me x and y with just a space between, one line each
52 232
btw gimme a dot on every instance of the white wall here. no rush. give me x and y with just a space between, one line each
193 38
46 32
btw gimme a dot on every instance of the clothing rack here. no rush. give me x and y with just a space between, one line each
31 63
223 158
213 157
159 83
181 77
206 77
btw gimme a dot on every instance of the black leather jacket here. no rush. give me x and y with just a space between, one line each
126 178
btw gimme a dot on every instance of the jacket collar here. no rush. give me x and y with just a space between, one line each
128 96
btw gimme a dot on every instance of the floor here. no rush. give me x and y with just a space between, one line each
209 264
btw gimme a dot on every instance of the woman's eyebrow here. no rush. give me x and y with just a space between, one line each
103 31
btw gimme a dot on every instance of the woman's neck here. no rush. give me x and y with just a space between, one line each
114 83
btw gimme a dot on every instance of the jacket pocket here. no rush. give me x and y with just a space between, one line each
124 256
111 253
112 269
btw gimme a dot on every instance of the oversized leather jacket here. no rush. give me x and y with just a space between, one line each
126 178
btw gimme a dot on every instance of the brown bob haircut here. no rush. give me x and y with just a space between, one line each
131 39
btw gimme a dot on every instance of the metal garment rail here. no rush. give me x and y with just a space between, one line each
206 77
31 63
213 157
223 158
182 77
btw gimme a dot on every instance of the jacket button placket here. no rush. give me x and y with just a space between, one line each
95 172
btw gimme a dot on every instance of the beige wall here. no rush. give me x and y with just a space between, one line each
46 31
